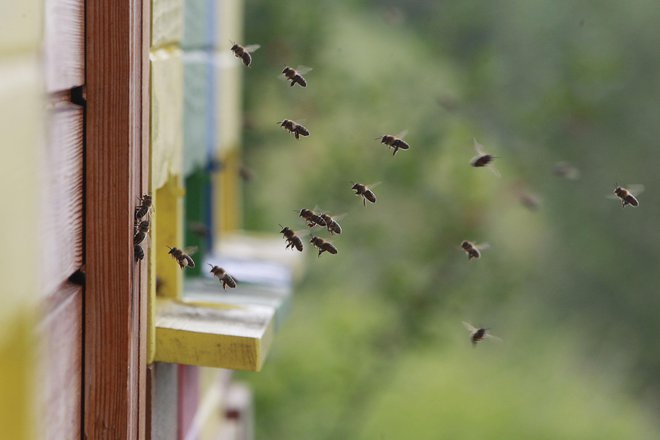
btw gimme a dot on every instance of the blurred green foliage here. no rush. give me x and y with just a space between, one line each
375 348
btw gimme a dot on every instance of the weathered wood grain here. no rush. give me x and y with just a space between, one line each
115 371
60 375
61 231
64 32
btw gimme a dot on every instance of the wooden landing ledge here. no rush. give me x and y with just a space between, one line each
213 334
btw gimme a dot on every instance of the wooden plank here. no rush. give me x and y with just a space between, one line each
20 134
229 75
64 31
199 24
226 194
168 229
115 337
198 102
164 410
167 22
220 337
60 376
61 231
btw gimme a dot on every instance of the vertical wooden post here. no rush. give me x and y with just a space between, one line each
115 367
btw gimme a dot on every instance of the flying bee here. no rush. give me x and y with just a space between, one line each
628 195
199 229
223 276
482 158
181 256
331 223
478 334
396 142
365 192
296 75
311 218
138 252
473 250
566 170
292 126
141 230
144 207
245 173
243 52
323 245
526 198
291 238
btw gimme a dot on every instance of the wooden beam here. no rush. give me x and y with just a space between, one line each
114 367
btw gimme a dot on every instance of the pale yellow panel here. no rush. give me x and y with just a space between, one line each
20 138
229 73
20 26
166 114
166 22
229 22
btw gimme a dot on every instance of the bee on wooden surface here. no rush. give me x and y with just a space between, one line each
293 241
473 250
365 192
138 252
296 75
323 245
223 276
395 142
296 129
181 256
483 159
141 230
311 218
144 207
243 52
331 223
629 195
479 334
566 170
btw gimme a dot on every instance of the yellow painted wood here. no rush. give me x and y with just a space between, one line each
20 27
227 202
166 114
229 15
20 134
166 22
237 338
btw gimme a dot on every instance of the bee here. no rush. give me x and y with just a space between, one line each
365 192
473 250
566 170
138 252
331 223
396 142
293 127
311 218
296 75
144 207
628 195
526 198
141 230
323 245
223 276
291 238
482 158
199 229
246 174
182 258
244 52
478 334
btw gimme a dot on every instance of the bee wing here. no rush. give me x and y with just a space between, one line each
373 185
252 47
338 217
303 69
482 246
469 327
635 188
401 134
190 250
493 337
302 232
478 147
494 170
612 196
